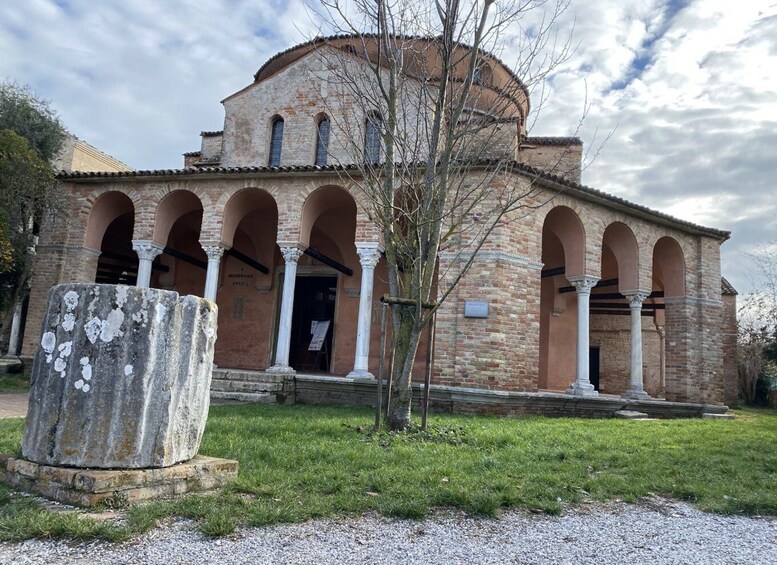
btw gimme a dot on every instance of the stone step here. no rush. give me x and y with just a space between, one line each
244 386
236 375
713 416
263 397
631 415
10 365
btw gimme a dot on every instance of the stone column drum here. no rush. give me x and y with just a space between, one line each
121 378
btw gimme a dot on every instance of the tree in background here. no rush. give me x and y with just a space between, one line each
31 136
434 156
757 348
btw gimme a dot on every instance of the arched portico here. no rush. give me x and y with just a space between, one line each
564 312
109 233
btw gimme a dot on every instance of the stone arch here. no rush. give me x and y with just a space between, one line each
106 209
325 200
567 227
172 207
669 267
241 204
620 240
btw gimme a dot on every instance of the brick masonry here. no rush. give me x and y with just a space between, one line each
503 352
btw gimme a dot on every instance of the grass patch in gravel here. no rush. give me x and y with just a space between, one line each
302 462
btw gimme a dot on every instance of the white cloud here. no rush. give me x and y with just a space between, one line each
689 89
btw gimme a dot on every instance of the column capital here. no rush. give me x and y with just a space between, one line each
292 253
583 283
369 253
147 249
635 297
214 250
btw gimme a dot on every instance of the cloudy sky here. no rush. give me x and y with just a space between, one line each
687 89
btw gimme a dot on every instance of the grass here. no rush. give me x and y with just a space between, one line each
14 382
301 462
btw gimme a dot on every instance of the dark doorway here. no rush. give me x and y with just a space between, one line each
314 303
593 366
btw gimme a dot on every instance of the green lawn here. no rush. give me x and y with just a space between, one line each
299 462
14 382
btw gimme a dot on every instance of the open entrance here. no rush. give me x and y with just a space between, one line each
313 323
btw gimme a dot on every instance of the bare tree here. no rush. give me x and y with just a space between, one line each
429 121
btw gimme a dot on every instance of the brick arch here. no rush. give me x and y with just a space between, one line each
322 200
100 209
621 241
669 266
241 203
171 207
565 224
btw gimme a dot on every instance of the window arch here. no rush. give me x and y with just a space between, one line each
276 142
372 141
322 141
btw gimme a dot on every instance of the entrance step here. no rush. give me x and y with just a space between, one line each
631 415
10 365
263 397
229 385
248 376
713 416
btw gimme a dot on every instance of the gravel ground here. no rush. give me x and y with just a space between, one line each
652 531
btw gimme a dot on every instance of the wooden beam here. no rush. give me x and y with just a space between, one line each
132 261
318 256
617 313
553 272
624 306
619 296
247 260
186 258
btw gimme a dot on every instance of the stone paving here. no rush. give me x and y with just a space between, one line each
13 405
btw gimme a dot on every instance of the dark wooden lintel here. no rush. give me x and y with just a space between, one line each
553 272
619 296
600 284
318 256
186 258
618 313
131 262
247 260
624 306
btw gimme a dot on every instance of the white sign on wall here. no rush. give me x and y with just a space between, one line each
475 309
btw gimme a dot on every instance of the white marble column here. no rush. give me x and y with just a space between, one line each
369 254
291 255
147 251
582 385
16 324
214 253
636 388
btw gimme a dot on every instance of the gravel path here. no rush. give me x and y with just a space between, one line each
653 531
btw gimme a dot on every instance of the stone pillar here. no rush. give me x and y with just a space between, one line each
214 253
291 254
636 388
147 252
16 324
369 254
662 358
582 385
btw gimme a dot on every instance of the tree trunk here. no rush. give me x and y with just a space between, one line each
405 348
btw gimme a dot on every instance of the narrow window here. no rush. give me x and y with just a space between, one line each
322 143
372 138
276 142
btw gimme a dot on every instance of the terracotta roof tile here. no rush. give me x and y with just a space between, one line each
726 289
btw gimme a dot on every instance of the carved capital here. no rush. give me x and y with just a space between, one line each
291 254
635 297
214 252
147 249
369 254
583 284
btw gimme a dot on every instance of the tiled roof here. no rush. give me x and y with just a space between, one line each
192 153
726 289
558 182
211 133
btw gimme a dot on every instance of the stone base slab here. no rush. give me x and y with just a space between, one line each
88 487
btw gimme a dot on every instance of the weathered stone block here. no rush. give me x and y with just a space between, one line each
121 378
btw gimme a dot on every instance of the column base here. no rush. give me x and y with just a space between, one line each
360 374
635 394
582 389
281 370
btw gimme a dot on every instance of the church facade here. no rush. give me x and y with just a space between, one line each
587 294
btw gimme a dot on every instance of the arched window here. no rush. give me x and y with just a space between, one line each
276 142
372 138
322 143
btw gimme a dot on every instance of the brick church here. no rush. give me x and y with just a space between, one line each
587 295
